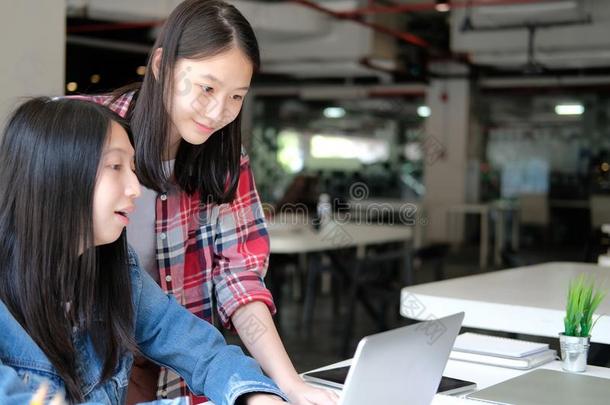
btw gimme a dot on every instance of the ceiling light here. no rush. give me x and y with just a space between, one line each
423 111
334 112
569 109
95 78
141 70
72 86
442 6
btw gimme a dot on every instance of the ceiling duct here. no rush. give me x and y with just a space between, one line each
568 34
312 44
294 39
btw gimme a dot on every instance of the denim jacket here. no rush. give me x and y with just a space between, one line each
165 332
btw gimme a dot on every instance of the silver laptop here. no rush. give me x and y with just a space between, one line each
547 387
401 366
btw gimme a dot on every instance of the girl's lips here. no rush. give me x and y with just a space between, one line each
202 127
122 218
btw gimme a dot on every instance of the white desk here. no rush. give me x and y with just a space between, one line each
529 300
385 206
295 236
485 376
400 212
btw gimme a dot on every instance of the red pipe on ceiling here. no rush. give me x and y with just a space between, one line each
347 15
430 6
404 36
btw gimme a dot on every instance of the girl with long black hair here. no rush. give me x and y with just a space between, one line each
74 305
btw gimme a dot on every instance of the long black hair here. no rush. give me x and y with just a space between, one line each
49 280
195 29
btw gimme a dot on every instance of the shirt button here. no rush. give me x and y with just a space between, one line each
168 278
163 197
163 235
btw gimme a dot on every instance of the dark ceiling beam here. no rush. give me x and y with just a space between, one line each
75 29
114 45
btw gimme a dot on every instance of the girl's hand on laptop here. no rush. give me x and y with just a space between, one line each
304 394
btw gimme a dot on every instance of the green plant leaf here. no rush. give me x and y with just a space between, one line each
582 301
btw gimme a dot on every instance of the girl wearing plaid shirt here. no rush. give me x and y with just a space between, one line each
199 227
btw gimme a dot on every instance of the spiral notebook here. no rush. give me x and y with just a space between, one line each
497 346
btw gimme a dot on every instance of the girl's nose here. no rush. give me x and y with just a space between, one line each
133 186
215 109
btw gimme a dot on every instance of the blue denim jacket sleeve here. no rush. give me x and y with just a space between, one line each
12 390
170 335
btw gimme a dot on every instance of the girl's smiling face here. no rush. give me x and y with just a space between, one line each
207 95
116 187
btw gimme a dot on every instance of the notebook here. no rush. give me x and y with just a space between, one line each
496 346
521 363
547 387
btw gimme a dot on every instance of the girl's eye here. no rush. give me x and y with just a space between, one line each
237 97
207 89
115 167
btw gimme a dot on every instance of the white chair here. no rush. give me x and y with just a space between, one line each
600 218
534 209
600 210
534 213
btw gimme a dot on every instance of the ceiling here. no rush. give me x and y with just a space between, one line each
384 41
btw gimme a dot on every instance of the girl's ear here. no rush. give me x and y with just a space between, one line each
156 62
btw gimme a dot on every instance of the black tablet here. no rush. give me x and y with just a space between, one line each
335 377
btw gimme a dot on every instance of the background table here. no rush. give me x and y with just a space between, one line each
294 235
529 300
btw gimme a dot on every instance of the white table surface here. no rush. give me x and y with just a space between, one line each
292 237
383 205
484 376
529 300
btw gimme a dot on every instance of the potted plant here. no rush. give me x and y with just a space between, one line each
583 299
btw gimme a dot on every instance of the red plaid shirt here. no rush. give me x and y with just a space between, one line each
208 254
